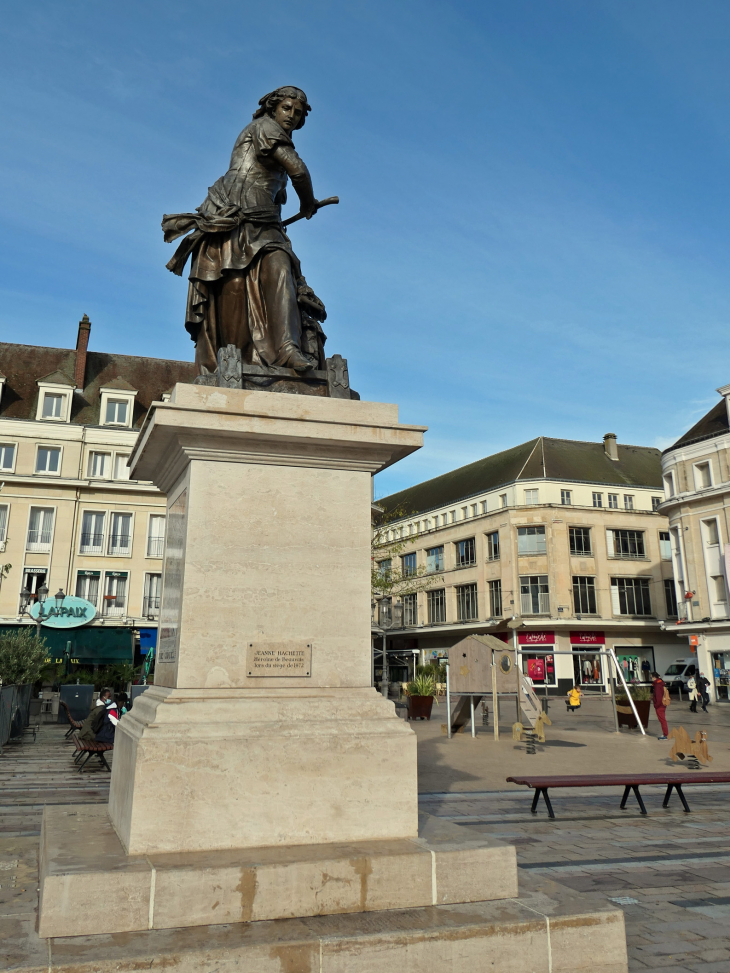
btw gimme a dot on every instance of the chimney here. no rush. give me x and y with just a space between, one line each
609 444
82 344
724 390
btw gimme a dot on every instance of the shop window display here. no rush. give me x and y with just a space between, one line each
589 669
540 669
637 663
721 671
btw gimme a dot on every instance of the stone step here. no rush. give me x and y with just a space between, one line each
81 854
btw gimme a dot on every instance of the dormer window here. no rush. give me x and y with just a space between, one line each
54 398
116 412
117 404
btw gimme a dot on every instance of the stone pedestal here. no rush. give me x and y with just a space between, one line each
262 728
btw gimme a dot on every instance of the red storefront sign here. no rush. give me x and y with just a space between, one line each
587 638
528 638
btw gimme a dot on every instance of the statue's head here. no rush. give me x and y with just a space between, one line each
287 105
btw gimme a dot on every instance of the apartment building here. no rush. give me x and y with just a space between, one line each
567 535
70 517
696 471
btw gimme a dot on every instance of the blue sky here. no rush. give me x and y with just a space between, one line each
533 229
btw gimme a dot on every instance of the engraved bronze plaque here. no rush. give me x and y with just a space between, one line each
276 659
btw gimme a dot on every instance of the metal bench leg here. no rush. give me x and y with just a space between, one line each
88 755
624 799
535 799
682 798
547 802
102 758
635 789
78 755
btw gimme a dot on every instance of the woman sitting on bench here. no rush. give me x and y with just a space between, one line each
573 701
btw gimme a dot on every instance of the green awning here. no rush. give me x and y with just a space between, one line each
90 645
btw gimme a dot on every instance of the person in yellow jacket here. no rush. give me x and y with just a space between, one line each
574 699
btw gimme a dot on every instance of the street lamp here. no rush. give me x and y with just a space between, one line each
26 597
58 597
389 616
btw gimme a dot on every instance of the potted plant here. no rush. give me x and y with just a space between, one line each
421 693
641 696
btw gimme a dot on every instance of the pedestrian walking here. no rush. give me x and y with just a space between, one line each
660 698
703 685
693 694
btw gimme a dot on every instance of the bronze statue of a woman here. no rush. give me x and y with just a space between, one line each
246 286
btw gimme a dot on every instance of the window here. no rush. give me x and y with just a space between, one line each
495 598
630 596
625 543
152 594
40 529
474 510
156 536
531 496
384 567
655 501
115 593
665 545
670 596
484 506
669 484
87 586
466 602
52 406
121 470
503 499
466 553
534 597
410 609
565 496
531 540
33 579
493 546
580 540
120 535
613 501
435 559
703 477
99 464
117 411
3 522
597 499
7 456
409 568
584 595
48 459
92 532
464 513
712 535
628 501
436 606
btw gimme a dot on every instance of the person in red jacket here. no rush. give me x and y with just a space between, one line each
659 703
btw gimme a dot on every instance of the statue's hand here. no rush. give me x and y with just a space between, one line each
311 209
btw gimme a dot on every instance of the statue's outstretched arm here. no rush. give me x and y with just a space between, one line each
300 178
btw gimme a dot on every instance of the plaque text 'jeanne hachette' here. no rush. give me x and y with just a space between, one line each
293 659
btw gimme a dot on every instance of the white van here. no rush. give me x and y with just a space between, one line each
679 672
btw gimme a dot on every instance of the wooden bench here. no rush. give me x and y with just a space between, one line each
630 782
73 724
88 750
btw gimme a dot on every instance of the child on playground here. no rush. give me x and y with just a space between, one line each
574 696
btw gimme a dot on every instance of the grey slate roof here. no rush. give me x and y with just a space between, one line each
24 365
541 458
715 423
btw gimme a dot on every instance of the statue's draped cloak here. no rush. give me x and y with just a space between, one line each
246 204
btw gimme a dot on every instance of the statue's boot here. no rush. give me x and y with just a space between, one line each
298 361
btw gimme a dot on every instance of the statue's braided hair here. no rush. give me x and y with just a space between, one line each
267 104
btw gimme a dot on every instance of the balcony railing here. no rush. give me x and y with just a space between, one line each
120 544
92 543
155 546
537 604
39 540
114 605
151 606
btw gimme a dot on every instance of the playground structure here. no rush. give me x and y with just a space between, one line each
684 747
482 665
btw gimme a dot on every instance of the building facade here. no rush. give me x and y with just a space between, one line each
566 535
70 517
696 471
